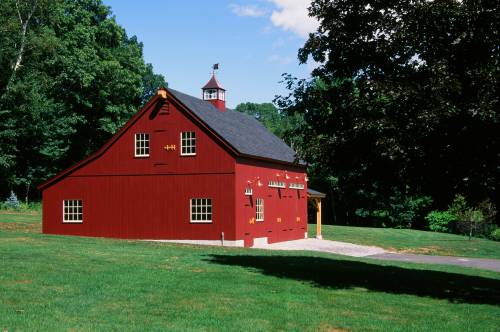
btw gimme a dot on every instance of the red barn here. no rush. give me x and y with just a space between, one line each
183 168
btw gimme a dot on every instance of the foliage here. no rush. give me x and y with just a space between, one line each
473 221
399 210
495 234
280 124
439 221
80 78
12 202
405 95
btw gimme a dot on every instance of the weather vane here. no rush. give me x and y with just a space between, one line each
215 67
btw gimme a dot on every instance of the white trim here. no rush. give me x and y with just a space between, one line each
276 184
248 191
142 155
201 214
227 243
210 94
298 186
79 204
259 209
191 139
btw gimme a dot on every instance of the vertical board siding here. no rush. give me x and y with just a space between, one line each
148 198
286 204
142 207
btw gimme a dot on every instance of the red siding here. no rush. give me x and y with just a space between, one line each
129 197
141 207
148 198
286 204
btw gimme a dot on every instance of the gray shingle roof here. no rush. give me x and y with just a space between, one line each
315 193
243 132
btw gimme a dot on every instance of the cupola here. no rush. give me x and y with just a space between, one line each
215 93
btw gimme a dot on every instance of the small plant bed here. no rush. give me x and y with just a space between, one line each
412 241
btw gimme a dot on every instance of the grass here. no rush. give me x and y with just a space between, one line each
412 241
57 283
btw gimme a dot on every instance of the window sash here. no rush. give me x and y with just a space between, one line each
259 209
277 184
72 211
141 145
210 94
188 143
200 210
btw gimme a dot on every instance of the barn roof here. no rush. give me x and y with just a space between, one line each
213 83
240 131
243 132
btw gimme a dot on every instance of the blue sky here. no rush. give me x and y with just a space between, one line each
254 42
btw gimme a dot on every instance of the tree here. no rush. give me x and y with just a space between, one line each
70 78
404 100
281 124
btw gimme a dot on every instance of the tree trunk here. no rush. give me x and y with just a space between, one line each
24 30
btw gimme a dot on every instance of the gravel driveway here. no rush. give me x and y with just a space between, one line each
354 250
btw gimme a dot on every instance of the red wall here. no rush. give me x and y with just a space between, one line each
148 198
142 207
129 197
286 204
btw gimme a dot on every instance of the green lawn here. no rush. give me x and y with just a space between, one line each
73 283
412 241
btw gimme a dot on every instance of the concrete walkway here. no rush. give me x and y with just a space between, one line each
334 247
354 250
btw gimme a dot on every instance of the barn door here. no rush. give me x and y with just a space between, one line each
162 147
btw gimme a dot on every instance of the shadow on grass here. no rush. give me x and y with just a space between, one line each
344 274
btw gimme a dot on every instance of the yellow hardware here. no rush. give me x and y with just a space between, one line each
251 221
297 219
278 219
169 147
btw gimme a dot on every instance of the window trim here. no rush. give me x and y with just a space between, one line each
210 94
201 221
259 212
276 184
248 191
298 186
135 145
195 146
79 221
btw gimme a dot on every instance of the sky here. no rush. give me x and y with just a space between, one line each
254 41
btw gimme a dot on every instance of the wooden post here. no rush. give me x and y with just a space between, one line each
318 219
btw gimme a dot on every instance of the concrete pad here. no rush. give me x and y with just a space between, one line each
334 247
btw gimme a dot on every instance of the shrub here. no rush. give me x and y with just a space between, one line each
495 234
473 221
12 202
400 210
439 221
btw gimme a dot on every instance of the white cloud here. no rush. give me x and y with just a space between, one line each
247 10
292 15
279 59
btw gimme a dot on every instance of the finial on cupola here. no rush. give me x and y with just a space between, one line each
213 91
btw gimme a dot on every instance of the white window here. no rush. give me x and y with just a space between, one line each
188 143
277 184
73 211
259 209
210 94
142 145
222 95
201 210
248 191
296 186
